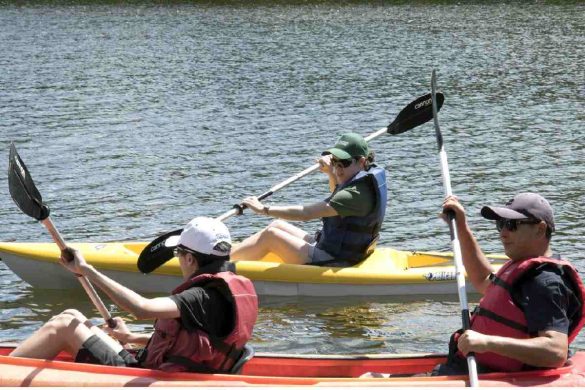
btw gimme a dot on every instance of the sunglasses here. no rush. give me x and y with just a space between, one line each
180 251
343 163
512 224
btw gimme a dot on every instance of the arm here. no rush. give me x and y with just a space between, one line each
139 306
476 264
291 213
548 349
302 212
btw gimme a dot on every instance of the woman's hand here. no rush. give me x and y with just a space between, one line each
325 164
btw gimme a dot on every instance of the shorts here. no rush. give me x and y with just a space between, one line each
95 351
318 256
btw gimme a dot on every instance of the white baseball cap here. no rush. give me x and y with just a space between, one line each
202 235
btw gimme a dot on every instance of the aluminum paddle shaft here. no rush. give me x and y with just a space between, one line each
239 208
458 258
412 115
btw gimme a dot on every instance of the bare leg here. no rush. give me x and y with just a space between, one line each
112 343
66 331
281 238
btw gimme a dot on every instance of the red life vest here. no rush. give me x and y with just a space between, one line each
498 314
173 348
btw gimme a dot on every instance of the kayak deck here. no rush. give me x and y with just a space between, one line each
269 369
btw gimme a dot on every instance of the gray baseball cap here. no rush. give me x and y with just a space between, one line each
523 205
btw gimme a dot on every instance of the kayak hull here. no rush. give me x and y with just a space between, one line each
387 272
278 370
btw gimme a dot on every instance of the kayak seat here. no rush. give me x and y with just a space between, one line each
245 356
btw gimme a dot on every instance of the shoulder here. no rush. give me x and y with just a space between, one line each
547 298
547 280
354 200
213 291
545 275
189 295
358 190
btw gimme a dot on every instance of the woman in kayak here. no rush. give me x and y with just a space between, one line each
202 326
352 214
532 308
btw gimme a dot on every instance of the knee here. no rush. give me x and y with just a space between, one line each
276 224
266 232
75 314
270 232
275 231
65 319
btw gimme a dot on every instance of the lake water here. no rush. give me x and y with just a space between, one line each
135 117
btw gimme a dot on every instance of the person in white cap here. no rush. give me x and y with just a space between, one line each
532 308
203 326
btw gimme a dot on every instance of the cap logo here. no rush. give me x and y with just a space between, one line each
222 237
343 143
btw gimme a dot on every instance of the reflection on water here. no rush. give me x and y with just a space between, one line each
305 324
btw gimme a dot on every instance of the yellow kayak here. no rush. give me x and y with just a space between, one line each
386 272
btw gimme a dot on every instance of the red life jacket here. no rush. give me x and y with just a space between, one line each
173 348
498 314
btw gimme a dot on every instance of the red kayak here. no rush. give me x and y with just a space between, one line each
278 370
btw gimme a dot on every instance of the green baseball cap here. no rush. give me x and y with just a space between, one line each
349 145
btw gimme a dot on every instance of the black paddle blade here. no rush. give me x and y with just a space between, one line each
156 253
22 188
415 114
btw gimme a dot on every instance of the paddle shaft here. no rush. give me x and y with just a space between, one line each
237 210
457 256
93 296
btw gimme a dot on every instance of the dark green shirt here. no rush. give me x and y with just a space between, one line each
356 200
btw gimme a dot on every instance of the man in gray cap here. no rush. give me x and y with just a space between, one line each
352 213
532 308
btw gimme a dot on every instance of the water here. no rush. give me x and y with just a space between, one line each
135 117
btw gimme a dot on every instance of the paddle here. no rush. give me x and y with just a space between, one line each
457 257
414 114
28 198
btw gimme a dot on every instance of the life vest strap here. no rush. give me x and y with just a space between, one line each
493 316
499 282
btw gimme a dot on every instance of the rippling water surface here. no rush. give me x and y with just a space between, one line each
133 118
